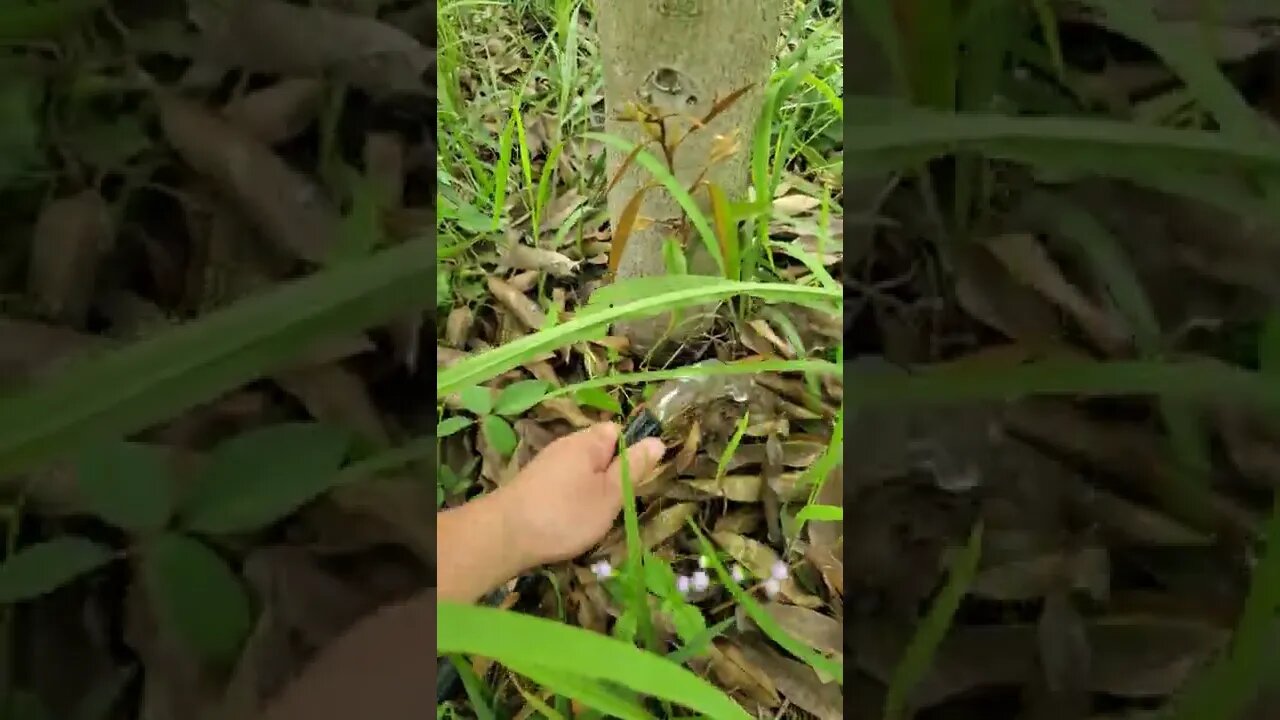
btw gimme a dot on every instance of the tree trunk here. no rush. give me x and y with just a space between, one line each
681 56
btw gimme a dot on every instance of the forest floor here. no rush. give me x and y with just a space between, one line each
524 241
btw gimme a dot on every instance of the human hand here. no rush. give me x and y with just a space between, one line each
568 496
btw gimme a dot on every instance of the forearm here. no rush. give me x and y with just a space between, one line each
379 668
478 549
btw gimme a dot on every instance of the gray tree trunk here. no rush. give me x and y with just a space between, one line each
681 56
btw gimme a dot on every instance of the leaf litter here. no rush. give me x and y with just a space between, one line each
171 170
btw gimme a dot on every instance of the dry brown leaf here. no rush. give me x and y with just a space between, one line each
338 397
279 112
405 505
794 204
562 408
30 350
559 210
759 559
448 357
272 36
689 450
384 165
738 488
457 326
798 682
743 521
70 238
523 257
987 292
525 281
826 538
288 209
657 529
735 672
766 331
1028 262
524 309
816 630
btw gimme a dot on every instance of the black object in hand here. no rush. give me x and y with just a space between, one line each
643 425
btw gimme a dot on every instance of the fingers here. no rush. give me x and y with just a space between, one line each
595 445
642 458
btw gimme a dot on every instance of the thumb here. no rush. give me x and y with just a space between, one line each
642 458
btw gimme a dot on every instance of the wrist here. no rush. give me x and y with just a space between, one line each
517 538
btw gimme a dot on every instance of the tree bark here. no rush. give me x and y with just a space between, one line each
681 56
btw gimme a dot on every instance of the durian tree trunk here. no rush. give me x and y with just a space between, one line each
681 57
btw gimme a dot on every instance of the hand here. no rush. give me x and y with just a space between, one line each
567 498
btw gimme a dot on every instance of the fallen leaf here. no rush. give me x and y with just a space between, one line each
1029 263
523 257
814 629
736 672
526 310
798 682
272 36
337 397
288 209
279 112
70 238
759 559
657 529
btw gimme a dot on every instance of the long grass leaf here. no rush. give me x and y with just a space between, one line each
678 193
478 368
918 655
524 640
126 390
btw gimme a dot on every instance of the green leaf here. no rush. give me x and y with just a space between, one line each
594 694
124 391
523 640
918 656
261 476
19 704
594 320
44 567
1269 346
1226 687
659 578
37 21
688 620
477 399
822 513
451 425
127 484
598 398
519 396
197 597
499 434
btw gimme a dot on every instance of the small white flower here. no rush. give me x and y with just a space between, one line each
602 569
772 587
702 561
738 574
682 584
701 581
779 571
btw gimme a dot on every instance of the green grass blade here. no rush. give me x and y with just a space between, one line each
128 389
523 640
1228 685
1102 146
636 593
479 368
36 21
473 686
660 173
749 367
593 693
918 655
1199 381
762 619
